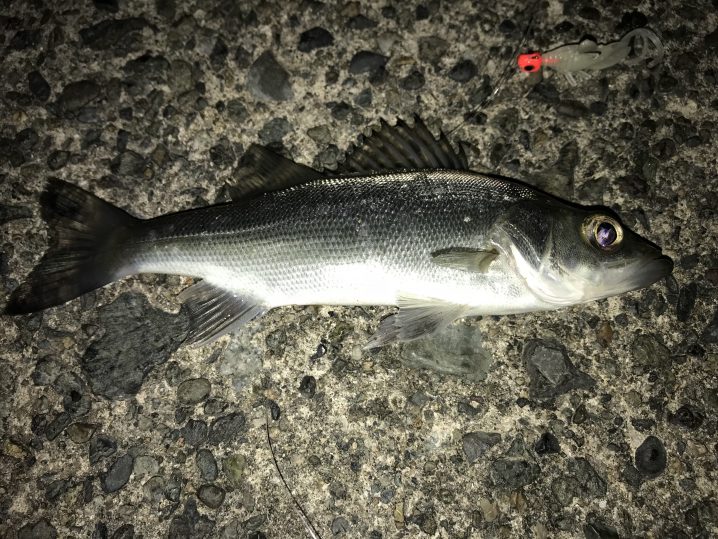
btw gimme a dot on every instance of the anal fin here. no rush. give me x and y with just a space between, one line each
417 317
215 311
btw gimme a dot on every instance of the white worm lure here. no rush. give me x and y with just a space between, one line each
640 44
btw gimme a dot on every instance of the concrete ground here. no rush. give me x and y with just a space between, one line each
594 421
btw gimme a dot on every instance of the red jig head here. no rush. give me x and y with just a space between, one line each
528 63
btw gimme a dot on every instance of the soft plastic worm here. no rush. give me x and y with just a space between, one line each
589 55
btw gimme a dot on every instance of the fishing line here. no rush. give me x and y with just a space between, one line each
313 534
506 72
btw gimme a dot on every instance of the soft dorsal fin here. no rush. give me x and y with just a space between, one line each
400 147
263 170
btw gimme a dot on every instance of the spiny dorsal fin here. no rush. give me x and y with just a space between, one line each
400 147
263 170
215 311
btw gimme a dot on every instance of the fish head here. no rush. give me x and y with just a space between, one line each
571 254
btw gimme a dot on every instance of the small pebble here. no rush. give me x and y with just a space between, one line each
219 54
118 474
38 85
550 370
145 466
315 38
589 13
688 417
234 468
308 386
579 415
710 333
686 301
211 495
227 428
547 444
275 411
604 333
101 447
107 5
206 464
477 444
366 62
268 80
360 22
650 457
664 149
649 352
413 81
432 49
81 433
194 432
321 350
41 529
154 489
57 159
512 473
193 391
463 71
421 12
340 526
57 425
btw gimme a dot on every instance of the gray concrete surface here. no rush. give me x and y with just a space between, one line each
593 421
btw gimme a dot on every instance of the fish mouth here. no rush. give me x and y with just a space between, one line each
650 272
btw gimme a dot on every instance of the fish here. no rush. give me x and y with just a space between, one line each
402 222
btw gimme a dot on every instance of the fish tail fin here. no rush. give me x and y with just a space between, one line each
85 233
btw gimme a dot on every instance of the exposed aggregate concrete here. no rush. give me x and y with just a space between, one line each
596 421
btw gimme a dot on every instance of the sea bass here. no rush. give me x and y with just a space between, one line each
403 222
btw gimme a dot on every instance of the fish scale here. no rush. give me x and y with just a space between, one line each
285 241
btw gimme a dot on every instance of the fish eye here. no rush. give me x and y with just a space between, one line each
603 232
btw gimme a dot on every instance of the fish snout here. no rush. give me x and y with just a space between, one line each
663 266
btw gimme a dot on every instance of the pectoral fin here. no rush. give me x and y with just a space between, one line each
215 311
416 318
465 259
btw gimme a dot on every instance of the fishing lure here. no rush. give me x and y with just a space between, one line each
636 46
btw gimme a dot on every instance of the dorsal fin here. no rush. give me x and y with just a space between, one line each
263 170
400 147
